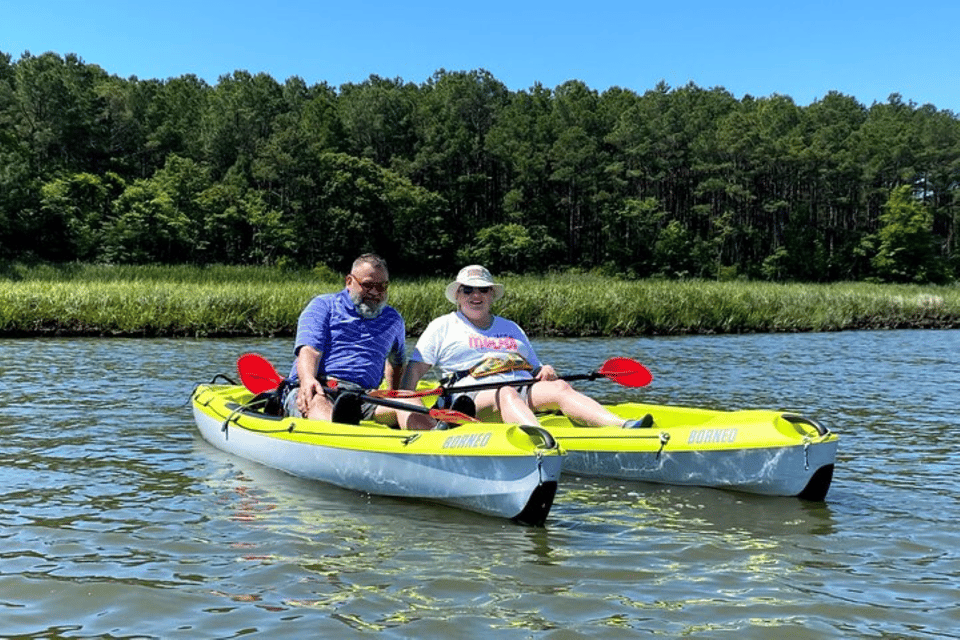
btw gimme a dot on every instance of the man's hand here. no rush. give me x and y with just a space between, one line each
307 392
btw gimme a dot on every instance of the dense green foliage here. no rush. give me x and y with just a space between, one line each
674 182
261 301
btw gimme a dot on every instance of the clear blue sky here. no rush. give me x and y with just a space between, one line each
803 49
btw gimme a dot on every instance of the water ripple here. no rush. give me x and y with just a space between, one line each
117 520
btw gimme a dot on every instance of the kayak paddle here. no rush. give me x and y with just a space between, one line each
623 371
258 376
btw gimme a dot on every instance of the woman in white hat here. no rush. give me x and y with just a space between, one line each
471 343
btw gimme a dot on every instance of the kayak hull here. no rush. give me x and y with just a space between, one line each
493 469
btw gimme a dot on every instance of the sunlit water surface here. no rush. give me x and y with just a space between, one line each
117 520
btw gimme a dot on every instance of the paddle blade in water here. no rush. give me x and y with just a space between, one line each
627 372
257 374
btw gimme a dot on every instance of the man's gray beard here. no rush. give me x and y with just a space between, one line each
367 310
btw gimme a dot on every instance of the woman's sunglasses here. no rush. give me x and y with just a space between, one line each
468 290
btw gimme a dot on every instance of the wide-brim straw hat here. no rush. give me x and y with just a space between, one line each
473 276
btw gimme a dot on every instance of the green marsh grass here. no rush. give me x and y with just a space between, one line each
259 301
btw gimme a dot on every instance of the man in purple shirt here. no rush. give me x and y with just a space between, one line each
355 339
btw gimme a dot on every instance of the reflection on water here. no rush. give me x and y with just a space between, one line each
117 519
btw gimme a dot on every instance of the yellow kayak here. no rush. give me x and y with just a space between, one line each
495 469
764 452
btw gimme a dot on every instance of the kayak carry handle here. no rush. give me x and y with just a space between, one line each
549 442
795 418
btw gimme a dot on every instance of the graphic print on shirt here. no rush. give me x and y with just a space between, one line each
488 343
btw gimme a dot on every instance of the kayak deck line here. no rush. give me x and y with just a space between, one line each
293 427
237 410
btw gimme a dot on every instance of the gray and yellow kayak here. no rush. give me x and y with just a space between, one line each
495 469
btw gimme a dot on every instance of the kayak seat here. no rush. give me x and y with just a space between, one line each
465 404
462 403
347 408
269 403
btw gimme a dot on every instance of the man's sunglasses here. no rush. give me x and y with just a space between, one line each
379 287
468 290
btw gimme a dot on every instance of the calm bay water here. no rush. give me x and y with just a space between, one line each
117 520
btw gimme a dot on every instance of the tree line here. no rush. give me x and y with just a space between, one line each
673 182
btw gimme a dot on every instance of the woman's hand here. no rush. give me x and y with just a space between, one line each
547 373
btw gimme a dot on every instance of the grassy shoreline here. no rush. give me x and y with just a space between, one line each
255 301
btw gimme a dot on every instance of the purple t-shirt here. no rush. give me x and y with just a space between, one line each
353 348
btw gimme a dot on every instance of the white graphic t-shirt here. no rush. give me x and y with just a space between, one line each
452 344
